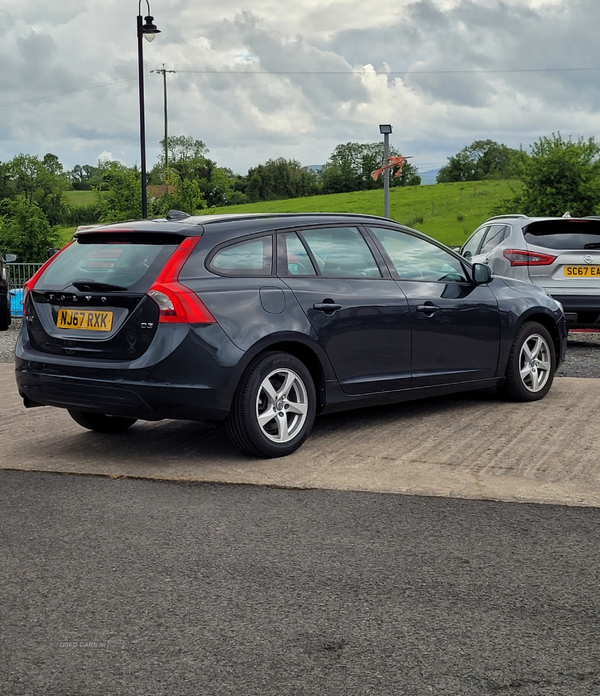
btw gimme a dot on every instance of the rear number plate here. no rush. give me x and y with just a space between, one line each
80 319
582 271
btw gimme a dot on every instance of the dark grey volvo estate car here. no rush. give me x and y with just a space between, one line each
265 321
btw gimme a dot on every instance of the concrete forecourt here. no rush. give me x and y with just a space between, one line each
473 446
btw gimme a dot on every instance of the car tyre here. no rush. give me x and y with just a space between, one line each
531 364
274 406
100 422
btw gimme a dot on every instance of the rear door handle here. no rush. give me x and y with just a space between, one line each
427 308
326 306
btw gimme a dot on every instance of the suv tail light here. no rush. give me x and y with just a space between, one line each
30 284
518 257
178 304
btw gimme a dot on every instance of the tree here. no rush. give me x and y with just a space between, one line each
351 165
83 177
25 231
559 176
42 182
483 159
121 197
279 179
186 156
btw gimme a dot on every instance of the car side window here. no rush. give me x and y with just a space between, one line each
297 262
417 259
495 235
471 246
341 252
252 257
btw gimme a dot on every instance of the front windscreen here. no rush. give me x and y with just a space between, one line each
564 234
116 265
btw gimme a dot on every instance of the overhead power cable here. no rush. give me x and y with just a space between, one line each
301 72
70 91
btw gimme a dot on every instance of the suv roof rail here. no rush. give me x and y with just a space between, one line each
503 217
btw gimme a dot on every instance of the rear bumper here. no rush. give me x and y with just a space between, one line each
581 311
196 381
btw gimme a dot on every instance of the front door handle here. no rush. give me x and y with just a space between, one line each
326 306
427 308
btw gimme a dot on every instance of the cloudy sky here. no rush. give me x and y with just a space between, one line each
258 79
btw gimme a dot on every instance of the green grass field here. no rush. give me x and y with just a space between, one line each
447 212
80 197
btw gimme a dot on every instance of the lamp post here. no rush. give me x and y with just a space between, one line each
148 30
385 130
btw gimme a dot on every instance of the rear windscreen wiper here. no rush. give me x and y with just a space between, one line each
92 285
594 245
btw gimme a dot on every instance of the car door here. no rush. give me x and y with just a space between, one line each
455 322
359 314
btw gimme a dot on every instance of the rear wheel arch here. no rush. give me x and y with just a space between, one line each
306 355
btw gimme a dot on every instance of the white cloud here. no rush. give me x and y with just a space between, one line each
51 51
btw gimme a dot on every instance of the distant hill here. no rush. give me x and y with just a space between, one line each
429 176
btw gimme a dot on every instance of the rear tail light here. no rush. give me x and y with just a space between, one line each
178 304
30 284
519 257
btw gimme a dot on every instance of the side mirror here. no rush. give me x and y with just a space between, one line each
482 273
51 252
10 258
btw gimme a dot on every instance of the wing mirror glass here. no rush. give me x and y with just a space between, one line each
10 258
482 273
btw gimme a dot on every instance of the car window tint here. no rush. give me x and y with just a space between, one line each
495 235
251 257
341 252
122 264
418 259
297 260
471 247
564 234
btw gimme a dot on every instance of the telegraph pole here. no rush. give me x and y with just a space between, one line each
163 71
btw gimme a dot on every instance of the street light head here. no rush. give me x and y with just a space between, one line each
149 29
385 129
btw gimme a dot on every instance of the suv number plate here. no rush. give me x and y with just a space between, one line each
582 271
80 319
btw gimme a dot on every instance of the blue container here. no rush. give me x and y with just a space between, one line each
16 302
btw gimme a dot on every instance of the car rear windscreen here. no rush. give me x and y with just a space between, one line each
564 234
109 262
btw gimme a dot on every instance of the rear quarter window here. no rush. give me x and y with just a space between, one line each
251 257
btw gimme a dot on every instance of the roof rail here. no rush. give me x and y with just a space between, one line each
503 217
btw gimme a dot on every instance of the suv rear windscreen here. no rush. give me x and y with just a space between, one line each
564 234
109 262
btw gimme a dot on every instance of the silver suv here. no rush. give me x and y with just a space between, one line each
561 254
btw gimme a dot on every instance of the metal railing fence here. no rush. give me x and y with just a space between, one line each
18 275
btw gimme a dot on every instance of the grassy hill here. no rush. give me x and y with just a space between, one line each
448 212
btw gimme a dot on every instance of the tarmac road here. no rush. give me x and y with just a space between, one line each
112 587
